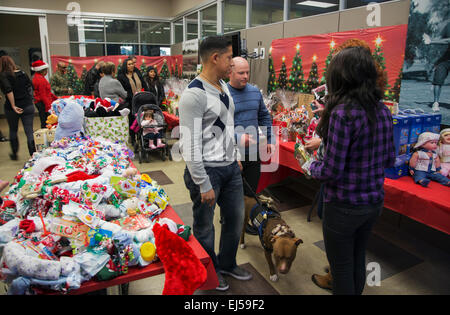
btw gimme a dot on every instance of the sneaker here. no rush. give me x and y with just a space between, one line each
238 273
435 107
223 284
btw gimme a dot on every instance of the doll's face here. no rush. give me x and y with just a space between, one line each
430 145
446 138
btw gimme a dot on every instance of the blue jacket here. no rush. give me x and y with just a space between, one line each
250 110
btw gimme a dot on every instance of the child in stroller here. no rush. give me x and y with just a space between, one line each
145 102
151 131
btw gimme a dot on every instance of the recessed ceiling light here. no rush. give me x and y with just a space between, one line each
318 4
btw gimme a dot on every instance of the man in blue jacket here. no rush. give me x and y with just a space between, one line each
250 117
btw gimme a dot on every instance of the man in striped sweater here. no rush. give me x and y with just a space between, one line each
207 145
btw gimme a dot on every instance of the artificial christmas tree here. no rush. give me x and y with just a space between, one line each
327 61
119 67
296 77
164 74
282 78
272 83
313 78
395 91
74 82
143 67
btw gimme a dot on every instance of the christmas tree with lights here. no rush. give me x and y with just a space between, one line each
394 93
378 56
74 82
164 74
327 61
296 77
272 83
282 77
143 67
119 67
313 78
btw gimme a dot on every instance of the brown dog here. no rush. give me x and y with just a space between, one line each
277 238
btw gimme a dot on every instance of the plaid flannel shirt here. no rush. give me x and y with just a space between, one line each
355 157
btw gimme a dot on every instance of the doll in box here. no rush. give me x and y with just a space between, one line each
444 152
424 163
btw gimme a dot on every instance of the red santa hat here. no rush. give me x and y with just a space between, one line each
38 65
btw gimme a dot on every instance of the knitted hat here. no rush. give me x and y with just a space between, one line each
425 137
38 65
444 132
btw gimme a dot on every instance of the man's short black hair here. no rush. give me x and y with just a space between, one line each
212 44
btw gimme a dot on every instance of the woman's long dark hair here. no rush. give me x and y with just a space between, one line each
147 77
351 80
124 68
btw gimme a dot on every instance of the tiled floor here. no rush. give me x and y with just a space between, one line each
414 259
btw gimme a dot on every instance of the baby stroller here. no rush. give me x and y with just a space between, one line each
141 102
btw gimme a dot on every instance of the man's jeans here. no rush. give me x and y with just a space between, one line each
346 231
227 185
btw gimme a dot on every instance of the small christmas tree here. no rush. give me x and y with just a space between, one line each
143 67
327 61
282 77
296 78
164 74
395 91
378 56
74 82
313 78
119 67
272 83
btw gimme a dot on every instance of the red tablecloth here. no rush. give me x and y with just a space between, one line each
430 206
137 273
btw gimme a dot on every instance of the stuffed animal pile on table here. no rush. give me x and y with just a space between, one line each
77 211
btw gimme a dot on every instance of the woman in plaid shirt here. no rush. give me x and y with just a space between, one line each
357 132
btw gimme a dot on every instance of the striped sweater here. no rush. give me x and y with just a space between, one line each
206 129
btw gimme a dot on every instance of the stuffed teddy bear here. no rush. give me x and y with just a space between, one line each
424 163
444 152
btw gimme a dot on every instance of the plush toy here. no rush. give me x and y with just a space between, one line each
184 271
444 152
52 121
424 163
70 121
106 108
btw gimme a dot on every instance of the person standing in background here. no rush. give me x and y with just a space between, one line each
18 90
60 82
43 96
92 77
154 84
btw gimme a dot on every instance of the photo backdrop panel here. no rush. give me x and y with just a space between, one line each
300 63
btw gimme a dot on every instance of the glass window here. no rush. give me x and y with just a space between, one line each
74 50
178 25
89 30
192 26
234 15
150 50
360 3
155 32
266 12
121 31
122 49
302 8
94 49
209 21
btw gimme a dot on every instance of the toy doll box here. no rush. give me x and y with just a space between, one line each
111 128
402 126
400 168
